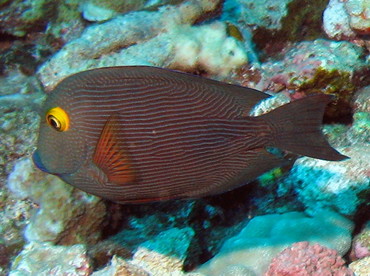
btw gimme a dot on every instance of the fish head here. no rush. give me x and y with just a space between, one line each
61 149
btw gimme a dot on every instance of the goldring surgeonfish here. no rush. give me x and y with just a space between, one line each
140 134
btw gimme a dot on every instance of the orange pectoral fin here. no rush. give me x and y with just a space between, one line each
110 155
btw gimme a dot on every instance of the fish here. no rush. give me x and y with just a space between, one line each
138 134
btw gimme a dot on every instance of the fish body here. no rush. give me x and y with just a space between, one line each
141 134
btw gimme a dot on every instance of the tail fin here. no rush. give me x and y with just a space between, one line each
296 128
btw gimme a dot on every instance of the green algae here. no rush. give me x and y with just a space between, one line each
330 81
270 177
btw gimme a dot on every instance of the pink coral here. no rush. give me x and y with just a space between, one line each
305 259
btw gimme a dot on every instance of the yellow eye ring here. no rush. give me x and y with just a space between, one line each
58 119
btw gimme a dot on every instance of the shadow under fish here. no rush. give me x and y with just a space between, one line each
141 134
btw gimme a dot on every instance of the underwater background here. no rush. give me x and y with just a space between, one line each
310 218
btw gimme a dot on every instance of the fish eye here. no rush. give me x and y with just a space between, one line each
58 119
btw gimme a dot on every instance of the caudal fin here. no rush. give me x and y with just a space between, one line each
296 128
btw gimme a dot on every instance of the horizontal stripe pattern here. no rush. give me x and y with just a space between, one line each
181 133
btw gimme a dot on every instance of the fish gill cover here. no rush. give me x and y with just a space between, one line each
287 49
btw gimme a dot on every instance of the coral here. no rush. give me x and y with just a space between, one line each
360 129
359 15
120 267
15 214
19 16
154 42
19 97
207 47
47 259
361 101
163 255
162 258
59 206
361 243
339 186
307 259
269 104
276 23
347 19
361 267
100 10
302 62
267 14
268 235
336 21
318 66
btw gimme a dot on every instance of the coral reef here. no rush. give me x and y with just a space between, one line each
100 10
279 47
302 62
266 14
347 19
155 257
59 206
361 267
359 15
307 259
361 243
275 24
164 258
119 267
319 66
20 95
268 235
47 259
28 14
163 41
326 185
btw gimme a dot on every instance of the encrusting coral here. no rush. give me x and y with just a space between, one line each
305 259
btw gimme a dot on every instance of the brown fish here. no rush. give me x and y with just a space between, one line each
140 134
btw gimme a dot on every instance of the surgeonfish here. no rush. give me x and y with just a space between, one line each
142 134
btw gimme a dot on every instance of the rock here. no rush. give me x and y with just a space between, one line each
269 234
339 186
59 206
275 24
149 39
318 66
336 21
120 267
361 243
347 19
166 253
47 259
361 267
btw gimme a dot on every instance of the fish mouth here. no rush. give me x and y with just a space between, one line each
37 161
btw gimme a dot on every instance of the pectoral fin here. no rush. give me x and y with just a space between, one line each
110 155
